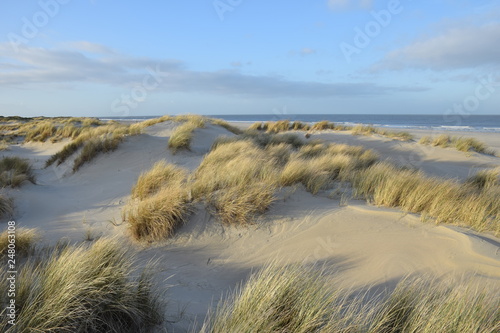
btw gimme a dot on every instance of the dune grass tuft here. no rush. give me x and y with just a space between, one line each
286 299
25 241
460 143
226 125
485 179
430 306
160 203
182 135
157 217
317 165
370 130
238 179
94 147
92 141
83 289
161 174
445 200
299 299
322 126
14 171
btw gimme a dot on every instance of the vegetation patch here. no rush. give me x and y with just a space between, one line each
181 137
82 289
160 203
460 143
370 130
299 299
26 240
445 200
14 171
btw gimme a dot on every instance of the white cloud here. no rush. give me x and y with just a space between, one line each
38 66
457 47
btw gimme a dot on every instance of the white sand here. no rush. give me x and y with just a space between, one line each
363 245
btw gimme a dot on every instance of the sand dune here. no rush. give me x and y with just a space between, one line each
363 245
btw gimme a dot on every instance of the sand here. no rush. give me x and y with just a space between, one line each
360 244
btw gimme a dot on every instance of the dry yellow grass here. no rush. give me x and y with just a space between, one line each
92 141
160 175
181 137
82 289
160 203
485 179
14 171
445 200
158 216
460 143
238 180
276 299
370 130
299 299
25 241
317 165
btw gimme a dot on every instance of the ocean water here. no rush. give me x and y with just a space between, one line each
466 123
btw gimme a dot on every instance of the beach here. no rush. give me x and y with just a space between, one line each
362 245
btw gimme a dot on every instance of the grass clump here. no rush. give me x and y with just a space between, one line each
460 143
94 147
157 217
92 141
423 306
237 179
25 241
370 130
226 125
182 135
298 299
14 171
317 165
4 145
286 299
160 203
322 126
83 289
445 200
485 179
425 140
161 174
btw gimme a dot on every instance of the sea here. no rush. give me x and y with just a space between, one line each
452 122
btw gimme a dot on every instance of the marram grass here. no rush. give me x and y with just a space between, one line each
82 289
294 298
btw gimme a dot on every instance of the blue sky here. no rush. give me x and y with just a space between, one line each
130 58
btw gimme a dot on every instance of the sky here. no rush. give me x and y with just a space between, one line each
130 58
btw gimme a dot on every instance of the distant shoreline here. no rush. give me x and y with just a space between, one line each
435 123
